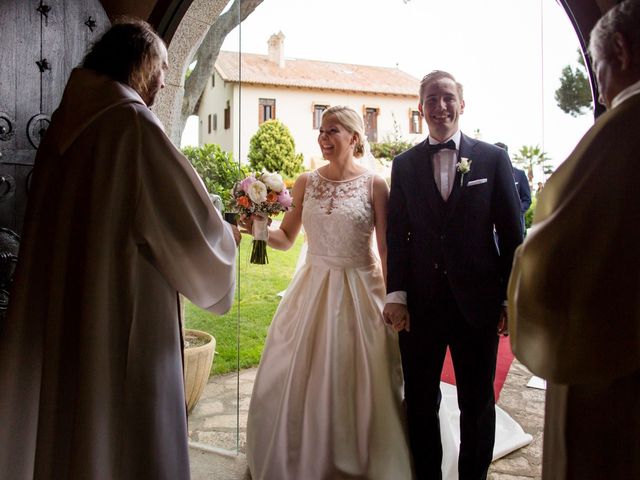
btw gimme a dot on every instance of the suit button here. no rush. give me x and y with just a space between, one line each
435 265
445 272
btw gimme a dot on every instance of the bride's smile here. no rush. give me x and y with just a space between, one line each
334 140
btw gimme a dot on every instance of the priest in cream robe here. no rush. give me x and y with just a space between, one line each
118 222
574 292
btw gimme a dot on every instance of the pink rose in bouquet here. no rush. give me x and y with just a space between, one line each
246 183
285 199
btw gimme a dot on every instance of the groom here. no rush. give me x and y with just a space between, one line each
447 275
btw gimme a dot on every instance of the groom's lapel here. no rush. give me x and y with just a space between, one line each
460 187
424 180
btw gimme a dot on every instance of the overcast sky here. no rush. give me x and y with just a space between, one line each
500 50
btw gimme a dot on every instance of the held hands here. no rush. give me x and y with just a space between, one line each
396 315
503 322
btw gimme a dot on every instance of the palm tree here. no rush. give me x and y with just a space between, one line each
528 156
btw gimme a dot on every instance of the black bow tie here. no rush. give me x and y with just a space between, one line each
436 147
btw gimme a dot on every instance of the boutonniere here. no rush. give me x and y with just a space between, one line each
464 167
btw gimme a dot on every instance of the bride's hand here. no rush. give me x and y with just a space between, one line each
245 222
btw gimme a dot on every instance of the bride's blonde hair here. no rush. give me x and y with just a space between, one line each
352 122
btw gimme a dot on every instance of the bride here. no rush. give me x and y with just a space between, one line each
327 399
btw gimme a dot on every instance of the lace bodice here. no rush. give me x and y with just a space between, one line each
338 215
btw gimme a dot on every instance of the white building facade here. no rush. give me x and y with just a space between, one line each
296 92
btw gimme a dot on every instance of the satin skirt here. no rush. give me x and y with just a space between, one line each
327 399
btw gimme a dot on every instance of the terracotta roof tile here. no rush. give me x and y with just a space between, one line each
258 69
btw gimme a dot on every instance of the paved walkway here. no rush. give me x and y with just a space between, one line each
213 427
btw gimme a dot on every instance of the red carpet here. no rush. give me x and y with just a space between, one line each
505 357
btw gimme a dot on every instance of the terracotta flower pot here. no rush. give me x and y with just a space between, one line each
197 364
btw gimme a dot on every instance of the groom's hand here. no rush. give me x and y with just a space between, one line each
503 322
396 315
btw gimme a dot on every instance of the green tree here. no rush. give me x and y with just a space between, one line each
392 144
216 168
574 94
196 78
529 156
272 149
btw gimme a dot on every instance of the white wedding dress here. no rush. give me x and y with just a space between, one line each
327 399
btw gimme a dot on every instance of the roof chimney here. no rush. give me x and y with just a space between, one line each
276 49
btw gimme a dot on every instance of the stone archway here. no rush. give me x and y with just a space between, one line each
195 24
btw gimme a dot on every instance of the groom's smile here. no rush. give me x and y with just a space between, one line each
441 107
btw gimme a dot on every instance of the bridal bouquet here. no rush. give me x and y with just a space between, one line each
261 195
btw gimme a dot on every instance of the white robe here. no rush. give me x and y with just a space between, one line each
118 222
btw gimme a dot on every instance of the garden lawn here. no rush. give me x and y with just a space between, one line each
258 289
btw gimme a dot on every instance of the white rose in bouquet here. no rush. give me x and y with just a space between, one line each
273 181
257 192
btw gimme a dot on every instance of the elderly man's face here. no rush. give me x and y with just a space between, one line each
605 80
614 71
157 81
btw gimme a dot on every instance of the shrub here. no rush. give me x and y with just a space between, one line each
391 145
528 215
216 168
272 149
388 149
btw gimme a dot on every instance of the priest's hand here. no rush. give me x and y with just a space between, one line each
237 236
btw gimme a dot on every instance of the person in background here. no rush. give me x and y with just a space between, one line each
522 187
573 293
117 223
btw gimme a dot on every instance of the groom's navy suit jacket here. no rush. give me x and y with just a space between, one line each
428 238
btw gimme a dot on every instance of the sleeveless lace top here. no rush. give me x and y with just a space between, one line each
338 216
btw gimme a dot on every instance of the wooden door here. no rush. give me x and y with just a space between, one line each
40 43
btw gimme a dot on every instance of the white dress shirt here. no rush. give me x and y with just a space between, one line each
444 173
630 91
444 165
